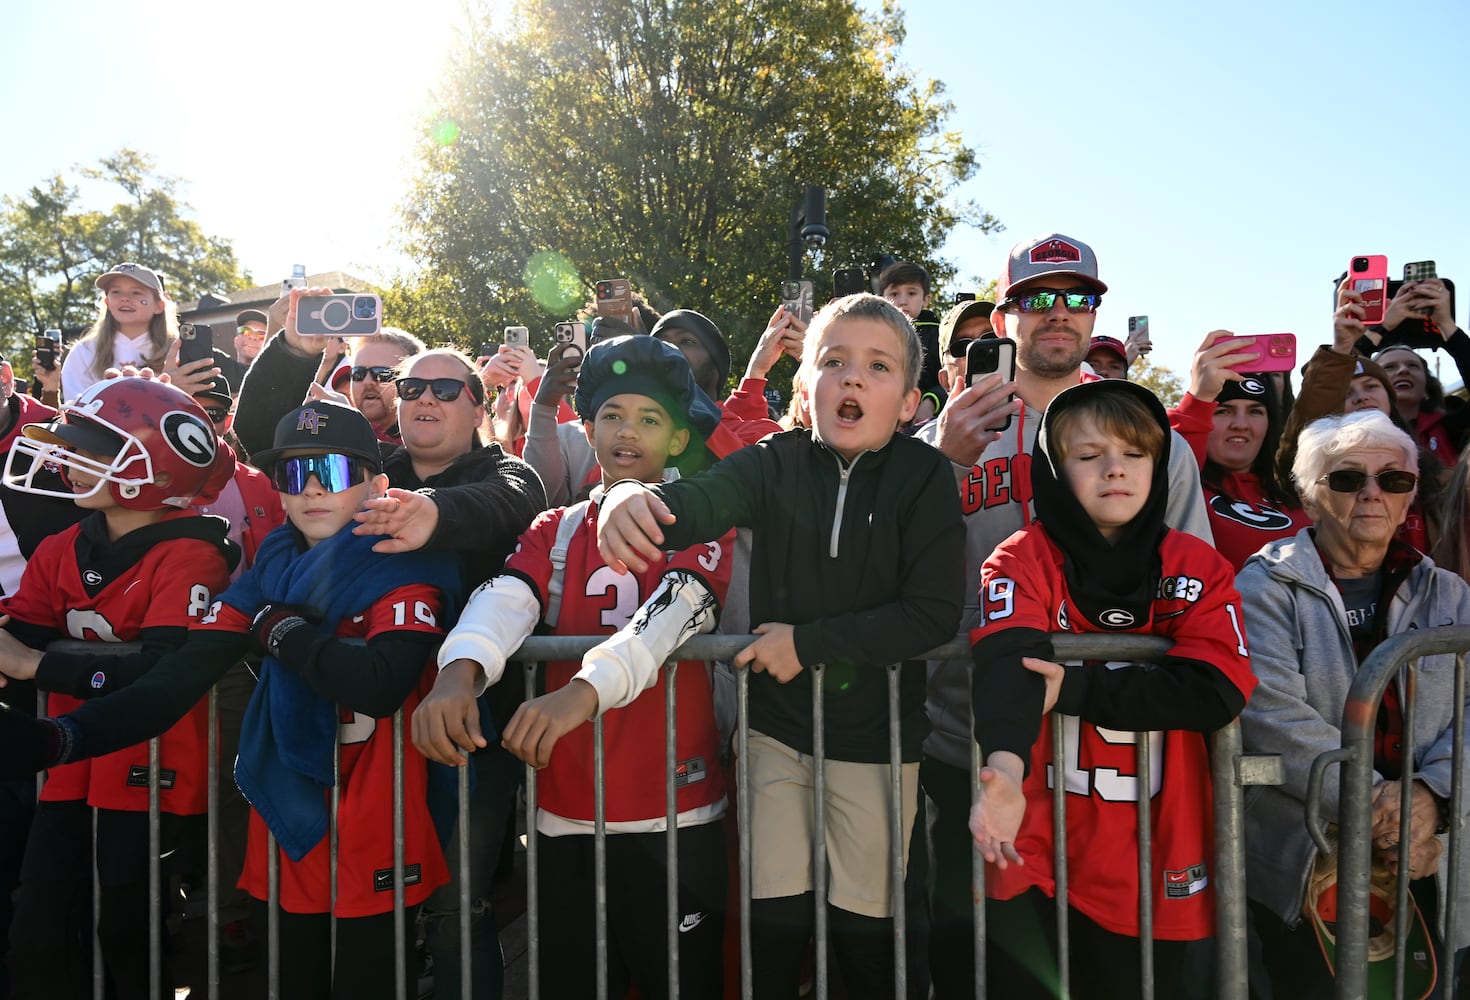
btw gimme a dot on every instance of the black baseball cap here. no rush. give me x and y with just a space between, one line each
324 427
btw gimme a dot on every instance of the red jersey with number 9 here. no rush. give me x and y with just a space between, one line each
1197 606
170 585
597 601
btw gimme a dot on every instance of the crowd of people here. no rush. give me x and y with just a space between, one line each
330 533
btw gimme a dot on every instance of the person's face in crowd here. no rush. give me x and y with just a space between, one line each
318 513
634 437
1239 432
952 371
910 298
857 394
706 376
1107 364
83 484
1365 518
221 416
1409 375
378 401
433 429
1109 476
7 379
132 305
249 340
1367 393
1051 344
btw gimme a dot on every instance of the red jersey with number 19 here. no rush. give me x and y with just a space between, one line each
1022 586
169 586
597 601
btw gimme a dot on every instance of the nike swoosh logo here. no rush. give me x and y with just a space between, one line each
691 921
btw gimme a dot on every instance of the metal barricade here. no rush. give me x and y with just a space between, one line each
1396 658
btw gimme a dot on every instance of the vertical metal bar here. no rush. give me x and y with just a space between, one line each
332 836
465 897
400 921
42 712
1457 798
273 918
742 784
1354 860
533 896
98 973
819 827
1410 674
671 834
1142 749
212 835
599 851
155 874
895 834
1059 848
1230 938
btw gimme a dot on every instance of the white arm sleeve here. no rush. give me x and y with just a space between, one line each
500 614
625 665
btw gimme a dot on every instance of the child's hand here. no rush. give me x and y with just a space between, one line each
446 725
538 724
408 518
560 378
17 660
628 533
774 652
1000 805
1053 672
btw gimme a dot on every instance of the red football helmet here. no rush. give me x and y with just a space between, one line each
149 443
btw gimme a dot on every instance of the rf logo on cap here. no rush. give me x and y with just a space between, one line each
311 421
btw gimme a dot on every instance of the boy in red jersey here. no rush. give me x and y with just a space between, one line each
141 566
641 411
1101 559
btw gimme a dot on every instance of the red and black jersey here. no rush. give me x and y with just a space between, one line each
170 585
365 787
1197 606
597 601
1242 519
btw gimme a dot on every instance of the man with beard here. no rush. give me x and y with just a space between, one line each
1048 297
375 366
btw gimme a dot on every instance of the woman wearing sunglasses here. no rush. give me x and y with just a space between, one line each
1315 606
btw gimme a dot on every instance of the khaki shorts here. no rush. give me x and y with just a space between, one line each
857 798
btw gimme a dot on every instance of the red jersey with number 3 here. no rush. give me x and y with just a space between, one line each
1197 606
365 789
170 586
597 601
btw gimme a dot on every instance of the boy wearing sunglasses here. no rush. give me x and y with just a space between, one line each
642 412
313 585
1048 296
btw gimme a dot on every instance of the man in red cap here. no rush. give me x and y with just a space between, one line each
1108 357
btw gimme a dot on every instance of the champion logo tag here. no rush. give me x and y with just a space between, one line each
91 577
1055 252
98 679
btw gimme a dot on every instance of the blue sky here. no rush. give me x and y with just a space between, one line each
1224 160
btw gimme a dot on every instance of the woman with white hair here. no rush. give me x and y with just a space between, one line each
1315 606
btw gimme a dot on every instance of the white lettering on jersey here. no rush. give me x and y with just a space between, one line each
422 614
624 589
198 600
89 624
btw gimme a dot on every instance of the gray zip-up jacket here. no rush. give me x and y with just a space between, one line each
1302 656
993 495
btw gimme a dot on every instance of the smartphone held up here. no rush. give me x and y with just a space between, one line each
987 356
347 315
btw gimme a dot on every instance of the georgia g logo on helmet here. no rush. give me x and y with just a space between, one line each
189 438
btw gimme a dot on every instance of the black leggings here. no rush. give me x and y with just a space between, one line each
365 954
781 936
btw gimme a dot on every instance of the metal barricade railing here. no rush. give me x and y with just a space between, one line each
1231 770
1395 658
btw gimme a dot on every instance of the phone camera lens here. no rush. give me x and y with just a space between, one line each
363 308
1360 264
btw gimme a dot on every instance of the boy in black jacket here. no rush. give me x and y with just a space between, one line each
906 285
858 562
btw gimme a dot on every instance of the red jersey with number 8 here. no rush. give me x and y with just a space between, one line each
1022 586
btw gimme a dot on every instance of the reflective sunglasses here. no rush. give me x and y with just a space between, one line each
336 472
446 390
380 373
1043 299
1353 480
250 333
959 348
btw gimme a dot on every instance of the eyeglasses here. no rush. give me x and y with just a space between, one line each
217 413
380 373
246 331
1353 480
336 472
446 390
959 348
1043 299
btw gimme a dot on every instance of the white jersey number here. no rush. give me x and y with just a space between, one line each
1110 783
623 587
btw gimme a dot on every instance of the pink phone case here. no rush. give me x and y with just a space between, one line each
1372 284
1277 351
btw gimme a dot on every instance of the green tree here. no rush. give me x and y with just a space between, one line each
1164 383
667 142
52 247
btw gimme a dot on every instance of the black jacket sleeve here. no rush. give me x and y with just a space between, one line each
374 679
485 515
1173 694
1005 697
95 675
274 386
